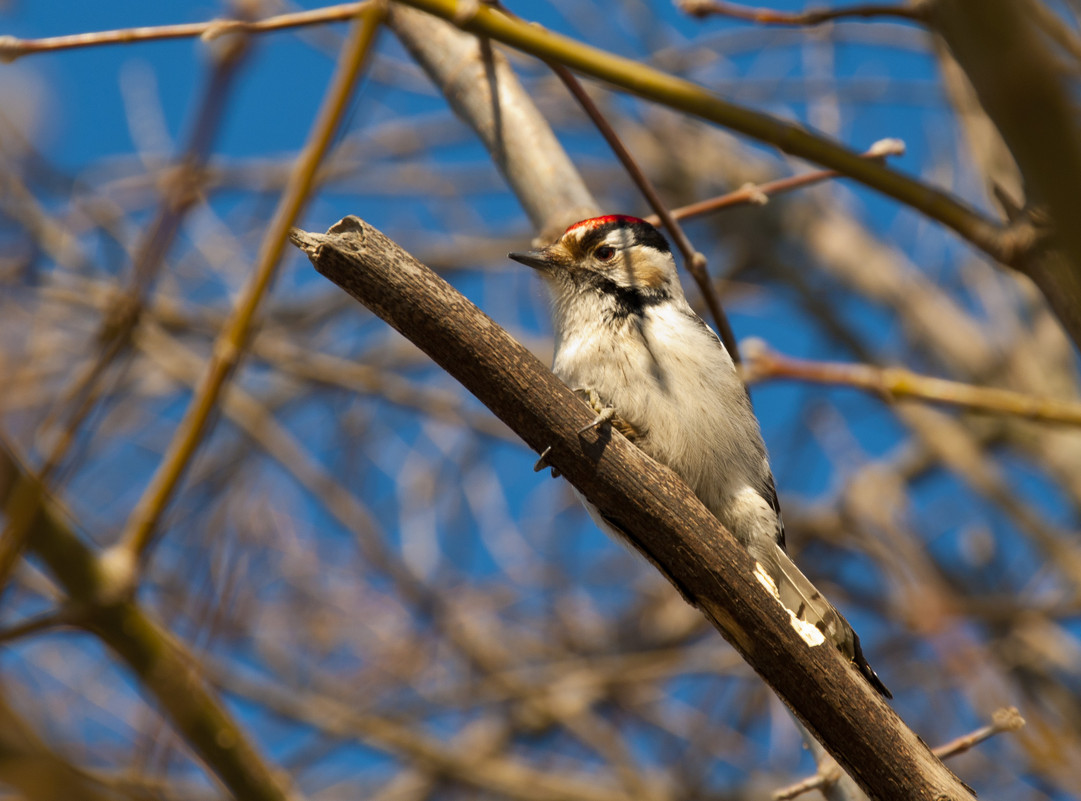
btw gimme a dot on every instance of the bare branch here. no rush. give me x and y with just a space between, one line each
1018 78
1005 244
38 624
139 531
667 523
764 363
1006 719
12 47
160 662
759 194
914 10
1055 26
34 770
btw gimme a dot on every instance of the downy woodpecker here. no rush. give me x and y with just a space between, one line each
628 342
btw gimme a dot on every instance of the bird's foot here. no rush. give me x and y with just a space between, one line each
542 462
606 414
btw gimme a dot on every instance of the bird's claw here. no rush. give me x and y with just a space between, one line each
604 415
542 463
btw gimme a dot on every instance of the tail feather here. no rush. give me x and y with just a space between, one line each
807 605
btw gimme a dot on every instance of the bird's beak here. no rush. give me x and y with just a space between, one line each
537 259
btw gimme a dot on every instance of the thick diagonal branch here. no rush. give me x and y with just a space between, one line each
666 521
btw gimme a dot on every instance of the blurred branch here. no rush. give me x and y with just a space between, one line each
759 194
1019 78
179 193
913 10
487 95
666 522
40 623
230 345
164 668
1006 719
465 761
33 769
983 144
12 47
1055 27
325 369
1007 244
764 363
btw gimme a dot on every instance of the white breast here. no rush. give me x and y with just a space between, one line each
668 376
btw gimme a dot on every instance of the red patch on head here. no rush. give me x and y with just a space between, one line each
596 222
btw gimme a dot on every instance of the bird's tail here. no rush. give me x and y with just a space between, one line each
814 617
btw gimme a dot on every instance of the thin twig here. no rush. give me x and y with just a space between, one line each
37 624
1005 719
896 382
816 782
759 194
139 531
767 16
12 47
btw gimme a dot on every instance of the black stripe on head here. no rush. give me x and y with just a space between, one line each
626 301
639 231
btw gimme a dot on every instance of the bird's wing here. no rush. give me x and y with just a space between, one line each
811 612
815 618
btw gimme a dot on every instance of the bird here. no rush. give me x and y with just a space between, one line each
628 343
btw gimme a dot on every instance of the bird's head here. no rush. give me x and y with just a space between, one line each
615 255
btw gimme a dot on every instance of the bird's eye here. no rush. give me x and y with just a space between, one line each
605 252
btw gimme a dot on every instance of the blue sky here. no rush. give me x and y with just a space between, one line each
92 112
